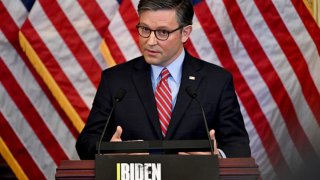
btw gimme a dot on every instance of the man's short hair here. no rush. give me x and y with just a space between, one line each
184 8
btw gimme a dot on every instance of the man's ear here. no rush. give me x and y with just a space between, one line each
186 31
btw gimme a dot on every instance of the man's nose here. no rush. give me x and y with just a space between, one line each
152 40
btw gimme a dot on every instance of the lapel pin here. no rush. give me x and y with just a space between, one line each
192 78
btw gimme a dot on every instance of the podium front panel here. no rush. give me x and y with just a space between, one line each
229 168
156 167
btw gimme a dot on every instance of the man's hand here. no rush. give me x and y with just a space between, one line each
213 138
117 138
117 135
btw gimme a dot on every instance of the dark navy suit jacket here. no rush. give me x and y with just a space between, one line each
138 117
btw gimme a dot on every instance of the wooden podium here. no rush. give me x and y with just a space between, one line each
229 168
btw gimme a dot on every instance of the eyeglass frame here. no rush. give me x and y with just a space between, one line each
154 31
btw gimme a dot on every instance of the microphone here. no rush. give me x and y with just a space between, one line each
193 95
118 97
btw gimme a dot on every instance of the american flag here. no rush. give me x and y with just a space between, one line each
52 54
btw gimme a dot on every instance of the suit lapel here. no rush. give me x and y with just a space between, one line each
142 81
191 76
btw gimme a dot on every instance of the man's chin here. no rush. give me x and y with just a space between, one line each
152 60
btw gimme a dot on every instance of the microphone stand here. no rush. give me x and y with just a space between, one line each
119 96
193 95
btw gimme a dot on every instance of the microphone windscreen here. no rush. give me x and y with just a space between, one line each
120 95
191 92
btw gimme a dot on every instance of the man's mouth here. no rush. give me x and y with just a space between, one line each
151 52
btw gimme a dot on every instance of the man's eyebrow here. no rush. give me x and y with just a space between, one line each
142 24
163 27
158 28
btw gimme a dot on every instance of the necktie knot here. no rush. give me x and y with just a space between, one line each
165 74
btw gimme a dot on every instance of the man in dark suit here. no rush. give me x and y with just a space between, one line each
164 26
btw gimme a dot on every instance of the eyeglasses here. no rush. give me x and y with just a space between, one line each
160 34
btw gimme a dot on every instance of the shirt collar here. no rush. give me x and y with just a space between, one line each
174 68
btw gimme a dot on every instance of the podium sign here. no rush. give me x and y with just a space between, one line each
156 167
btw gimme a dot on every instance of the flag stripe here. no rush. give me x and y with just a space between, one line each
256 83
201 43
10 55
303 39
111 50
271 48
17 149
27 136
289 80
31 143
38 99
300 68
308 22
85 29
130 19
282 67
5 8
105 51
10 159
258 152
191 49
72 40
51 83
110 41
123 37
61 53
11 32
101 22
109 8
96 15
262 62
29 85
114 48
259 120
55 71
31 115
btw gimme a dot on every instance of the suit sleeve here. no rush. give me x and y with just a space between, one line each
90 135
231 135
